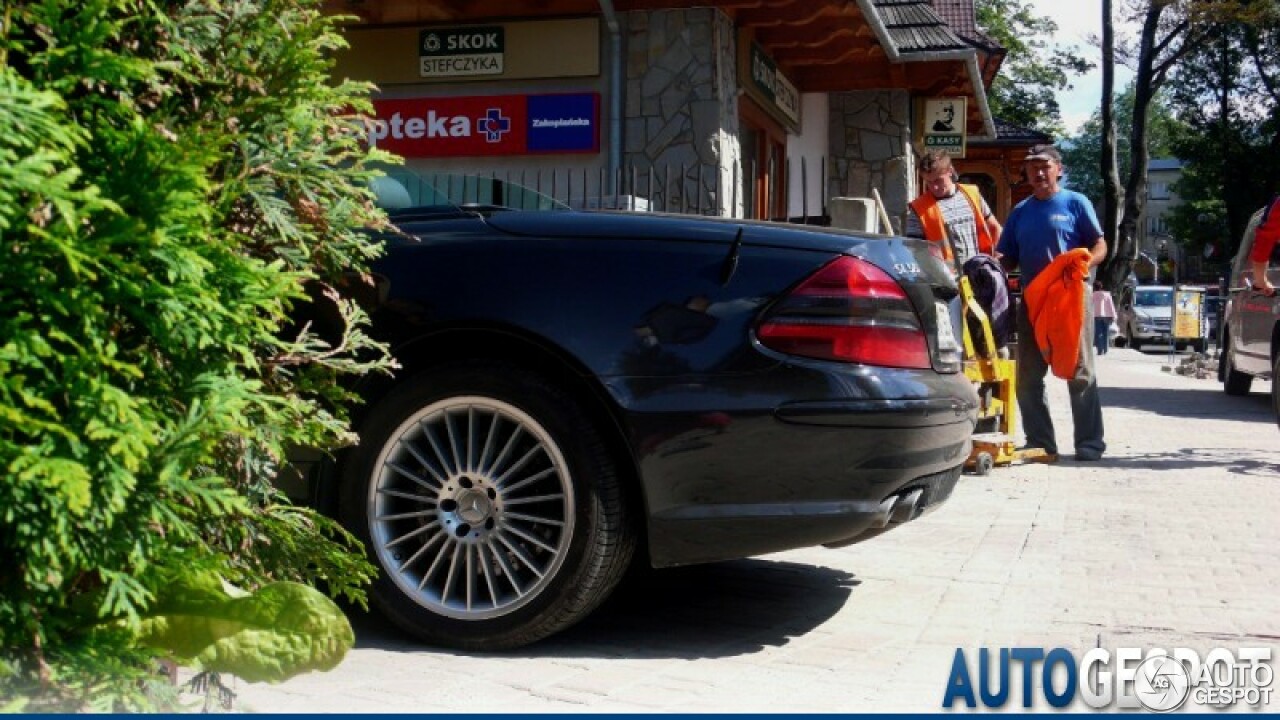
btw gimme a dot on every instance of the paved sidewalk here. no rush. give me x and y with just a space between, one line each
1170 541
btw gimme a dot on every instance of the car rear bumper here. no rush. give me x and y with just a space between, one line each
1150 336
1163 338
748 481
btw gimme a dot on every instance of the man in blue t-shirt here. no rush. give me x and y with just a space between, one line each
1045 225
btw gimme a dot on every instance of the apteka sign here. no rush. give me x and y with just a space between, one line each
488 125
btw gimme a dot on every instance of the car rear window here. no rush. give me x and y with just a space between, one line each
1153 298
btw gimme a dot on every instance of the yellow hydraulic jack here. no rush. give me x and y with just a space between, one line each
994 377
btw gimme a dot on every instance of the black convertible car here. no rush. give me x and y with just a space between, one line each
584 389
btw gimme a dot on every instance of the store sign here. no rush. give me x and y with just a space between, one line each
777 91
944 125
446 54
460 52
488 125
1187 313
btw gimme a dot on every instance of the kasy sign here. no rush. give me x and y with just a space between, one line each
489 125
944 123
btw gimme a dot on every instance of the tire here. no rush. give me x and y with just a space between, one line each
1222 358
490 505
1275 388
1234 382
983 463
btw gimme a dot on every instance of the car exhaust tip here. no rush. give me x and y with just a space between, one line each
906 508
893 510
885 512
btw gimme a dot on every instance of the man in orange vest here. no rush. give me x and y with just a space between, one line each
947 207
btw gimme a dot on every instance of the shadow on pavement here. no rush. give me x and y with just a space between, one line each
1234 460
718 610
1209 403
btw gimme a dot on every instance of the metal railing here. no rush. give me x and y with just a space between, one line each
697 189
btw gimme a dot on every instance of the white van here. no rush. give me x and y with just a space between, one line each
1147 320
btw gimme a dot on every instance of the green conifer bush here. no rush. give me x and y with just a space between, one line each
175 178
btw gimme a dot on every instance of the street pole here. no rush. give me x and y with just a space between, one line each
1173 312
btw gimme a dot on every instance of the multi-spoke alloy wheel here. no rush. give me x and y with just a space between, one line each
472 507
491 504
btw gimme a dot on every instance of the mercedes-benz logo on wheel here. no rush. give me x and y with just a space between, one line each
473 507
1162 684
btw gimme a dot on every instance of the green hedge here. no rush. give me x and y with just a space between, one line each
173 179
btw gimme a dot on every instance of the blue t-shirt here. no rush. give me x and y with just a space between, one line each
1040 230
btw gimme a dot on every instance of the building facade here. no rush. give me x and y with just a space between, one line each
1159 252
727 107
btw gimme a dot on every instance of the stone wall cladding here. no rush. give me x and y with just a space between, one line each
870 146
682 107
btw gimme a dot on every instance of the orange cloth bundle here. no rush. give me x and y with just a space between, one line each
1055 307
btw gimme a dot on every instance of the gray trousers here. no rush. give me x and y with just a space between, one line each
1086 407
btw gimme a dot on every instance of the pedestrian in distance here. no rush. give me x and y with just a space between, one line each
1055 233
1104 314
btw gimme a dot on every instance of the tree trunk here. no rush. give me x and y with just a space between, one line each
1116 268
1226 76
1129 233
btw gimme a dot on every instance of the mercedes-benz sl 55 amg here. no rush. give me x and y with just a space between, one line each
584 390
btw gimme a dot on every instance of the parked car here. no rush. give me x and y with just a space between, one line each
1251 344
584 388
1147 320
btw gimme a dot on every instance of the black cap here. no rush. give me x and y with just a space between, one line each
1043 152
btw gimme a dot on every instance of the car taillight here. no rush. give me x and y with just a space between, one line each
849 311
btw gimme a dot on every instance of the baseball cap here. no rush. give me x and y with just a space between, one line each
1043 152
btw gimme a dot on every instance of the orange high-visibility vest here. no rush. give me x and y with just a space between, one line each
926 206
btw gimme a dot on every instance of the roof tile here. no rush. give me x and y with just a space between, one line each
914 26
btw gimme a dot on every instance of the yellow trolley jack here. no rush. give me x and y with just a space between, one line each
995 378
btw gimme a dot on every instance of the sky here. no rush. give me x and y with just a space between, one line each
1077 20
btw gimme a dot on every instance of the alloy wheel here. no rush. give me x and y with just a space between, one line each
471 507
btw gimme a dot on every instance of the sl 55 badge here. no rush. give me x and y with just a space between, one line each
907 268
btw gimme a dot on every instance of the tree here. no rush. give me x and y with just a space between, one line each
1170 29
1228 89
1108 161
176 179
1082 152
1034 70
